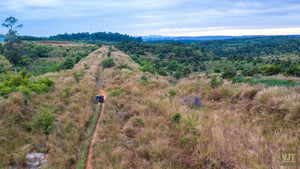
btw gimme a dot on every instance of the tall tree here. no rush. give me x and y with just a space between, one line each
13 46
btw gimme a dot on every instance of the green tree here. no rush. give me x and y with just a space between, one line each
13 46
107 63
229 73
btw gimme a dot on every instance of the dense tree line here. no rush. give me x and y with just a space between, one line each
98 36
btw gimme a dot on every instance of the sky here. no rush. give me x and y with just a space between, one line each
155 17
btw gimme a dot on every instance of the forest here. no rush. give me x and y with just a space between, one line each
248 57
87 37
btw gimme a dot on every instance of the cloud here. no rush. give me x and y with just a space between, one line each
228 31
151 16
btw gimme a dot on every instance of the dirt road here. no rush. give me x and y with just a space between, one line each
89 160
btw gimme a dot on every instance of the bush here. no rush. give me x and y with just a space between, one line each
176 118
124 67
178 74
107 63
229 73
270 70
43 120
67 64
216 81
172 93
78 76
21 83
139 122
144 79
250 72
162 72
148 67
116 92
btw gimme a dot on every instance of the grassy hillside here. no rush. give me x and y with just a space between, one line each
150 120
146 125
27 120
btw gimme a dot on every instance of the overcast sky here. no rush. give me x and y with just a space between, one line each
155 17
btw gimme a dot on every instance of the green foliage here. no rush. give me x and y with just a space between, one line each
162 72
229 73
107 63
135 58
243 55
172 93
67 92
251 71
270 70
293 70
12 83
267 82
216 81
78 75
67 64
86 66
147 67
116 92
13 50
124 66
42 85
178 74
176 118
139 122
43 121
144 79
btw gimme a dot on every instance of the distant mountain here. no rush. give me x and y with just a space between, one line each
158 38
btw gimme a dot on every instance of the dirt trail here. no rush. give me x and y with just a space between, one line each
89 160
95 132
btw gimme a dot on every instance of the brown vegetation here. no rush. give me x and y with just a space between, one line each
239 126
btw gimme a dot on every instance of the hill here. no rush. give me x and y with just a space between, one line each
151 119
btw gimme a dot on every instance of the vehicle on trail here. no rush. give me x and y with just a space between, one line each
100 98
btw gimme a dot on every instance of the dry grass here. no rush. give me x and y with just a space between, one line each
73 106
239 126
232 130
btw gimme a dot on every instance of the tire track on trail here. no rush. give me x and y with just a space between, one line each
91 149
90 154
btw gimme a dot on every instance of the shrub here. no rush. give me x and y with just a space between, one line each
67 64
4 90
139 122
144 79
250 72
78 75
229 73
116 92
86 66
125 66
178 74
43 120
162 72
47 82
107 63
42 85
172 93
176 118
24 90
217 70
216 81
148 67
67 92
270 70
